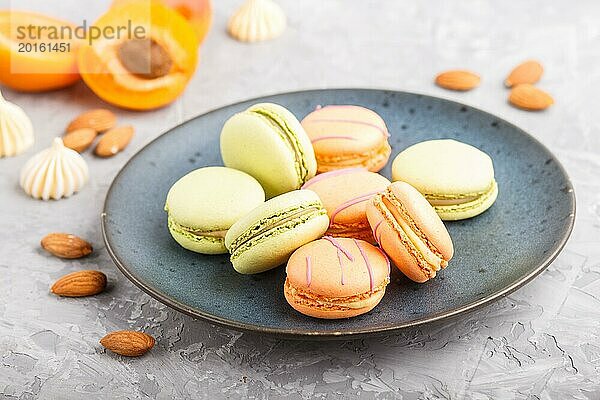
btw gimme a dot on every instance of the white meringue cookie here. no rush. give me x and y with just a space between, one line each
16 131
257 20
54 173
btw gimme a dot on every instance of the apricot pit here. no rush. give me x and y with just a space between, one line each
145 58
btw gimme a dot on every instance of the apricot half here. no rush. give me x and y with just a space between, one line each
146 69
197 12
37 52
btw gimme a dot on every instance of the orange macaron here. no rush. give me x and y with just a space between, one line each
345 136
345 194
408 229
336 278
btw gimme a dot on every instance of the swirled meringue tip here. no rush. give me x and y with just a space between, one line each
16 130
257 20
54 173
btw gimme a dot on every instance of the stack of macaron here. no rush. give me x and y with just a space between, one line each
328 213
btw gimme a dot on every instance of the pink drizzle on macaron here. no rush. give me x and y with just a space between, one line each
340 252
375 231
339 247
332 137
378 239
341 261
384 132
367 262
350 203
308 270
343 120
387 260
331 174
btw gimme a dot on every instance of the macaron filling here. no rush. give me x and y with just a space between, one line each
287 134
216 236
313 300
461 202
366 159
282 221
415 241
359 231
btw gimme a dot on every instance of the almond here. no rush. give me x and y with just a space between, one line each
65 245
528 97
80 284
527 72
80 139
458 80
128 343
114 141
99 120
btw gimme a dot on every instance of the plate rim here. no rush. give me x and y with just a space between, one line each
293 333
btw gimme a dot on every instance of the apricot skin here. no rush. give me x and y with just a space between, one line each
19 70
128 90
197 12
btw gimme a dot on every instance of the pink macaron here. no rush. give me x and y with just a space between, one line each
345 136
345 194
336 278
407 227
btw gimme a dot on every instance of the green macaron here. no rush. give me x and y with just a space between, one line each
456 178
269 234
203 205
267 142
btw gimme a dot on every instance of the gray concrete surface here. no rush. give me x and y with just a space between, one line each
542 342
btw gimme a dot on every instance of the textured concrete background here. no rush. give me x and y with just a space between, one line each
542 342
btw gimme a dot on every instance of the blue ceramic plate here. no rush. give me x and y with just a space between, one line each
495 253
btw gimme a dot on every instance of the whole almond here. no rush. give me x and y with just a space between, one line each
80 139
80 284
458 80
65 245
128 343
99 120
528 72
528 97
114 141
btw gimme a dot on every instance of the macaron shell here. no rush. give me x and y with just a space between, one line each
347 136
363 126
468 210
268 209
380 159
250 144
296 127
333 314
391 243
396 244
444 167
345 194
232 194
424 216
326 273
276 250
199 245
